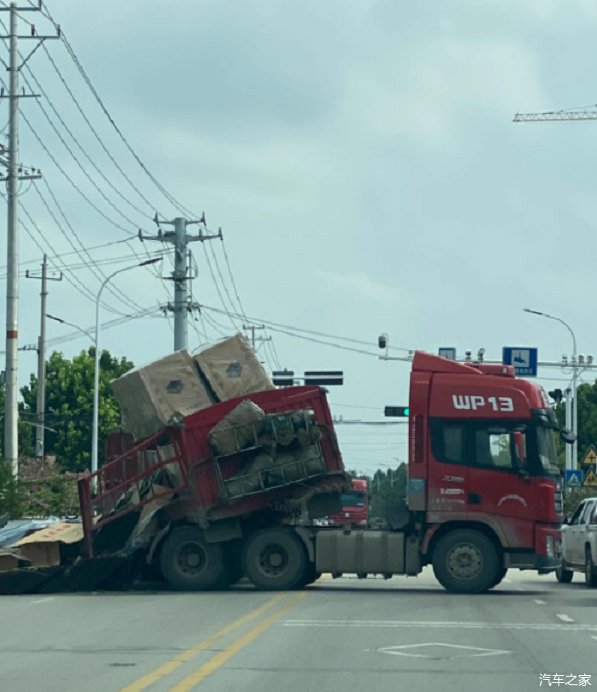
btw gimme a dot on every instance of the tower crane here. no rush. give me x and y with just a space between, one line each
566 114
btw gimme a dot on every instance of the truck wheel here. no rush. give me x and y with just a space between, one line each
590 575
310 575
188 563
502 571
274 559
563 574
466 561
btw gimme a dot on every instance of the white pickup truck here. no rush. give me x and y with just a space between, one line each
579 544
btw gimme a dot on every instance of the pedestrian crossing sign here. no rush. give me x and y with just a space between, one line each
574 478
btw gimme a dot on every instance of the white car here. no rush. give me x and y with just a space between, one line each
579 544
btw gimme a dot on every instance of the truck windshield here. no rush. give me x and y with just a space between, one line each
354 499
546 451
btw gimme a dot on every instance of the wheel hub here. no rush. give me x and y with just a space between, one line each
191 558
273 559
465 562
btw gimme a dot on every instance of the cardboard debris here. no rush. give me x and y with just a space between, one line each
237 430
155 395
41 548
232 368
12 558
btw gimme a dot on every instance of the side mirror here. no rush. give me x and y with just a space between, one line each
567 436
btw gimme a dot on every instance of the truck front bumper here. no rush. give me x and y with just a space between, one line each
547 554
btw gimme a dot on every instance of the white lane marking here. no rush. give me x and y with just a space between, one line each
464 651
42 600
396 624
564 618
540 602
593 637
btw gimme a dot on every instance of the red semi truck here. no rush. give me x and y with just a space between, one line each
355 505
483 490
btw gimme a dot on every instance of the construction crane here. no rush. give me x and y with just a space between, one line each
567 114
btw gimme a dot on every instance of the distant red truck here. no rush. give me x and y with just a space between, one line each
355 506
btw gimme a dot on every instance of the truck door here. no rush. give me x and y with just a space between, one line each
498 481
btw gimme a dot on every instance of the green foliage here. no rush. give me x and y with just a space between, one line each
386 490
10 497
69 406
574 496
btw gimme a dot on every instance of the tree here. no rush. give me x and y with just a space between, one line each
69 406
387 490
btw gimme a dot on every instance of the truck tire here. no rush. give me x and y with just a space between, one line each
590 572
563 574
310 575
274 559
189 563
466 561
502 571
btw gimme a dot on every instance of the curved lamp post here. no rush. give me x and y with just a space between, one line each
573 460
95 423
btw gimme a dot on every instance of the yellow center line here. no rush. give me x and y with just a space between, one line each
170 666
221 657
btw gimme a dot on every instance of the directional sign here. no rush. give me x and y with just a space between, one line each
449 353
590 457
590 479
574 478
522 358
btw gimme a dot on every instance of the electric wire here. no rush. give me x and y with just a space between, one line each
283 329
97 136
99 275
83 151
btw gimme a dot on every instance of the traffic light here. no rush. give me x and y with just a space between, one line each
557 395
397 411
324 377
283 378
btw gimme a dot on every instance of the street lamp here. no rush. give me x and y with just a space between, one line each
571 458
95 423
69 324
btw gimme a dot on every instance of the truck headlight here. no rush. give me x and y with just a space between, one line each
550 550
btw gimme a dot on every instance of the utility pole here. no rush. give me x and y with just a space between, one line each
11 441
181 275
252 328
41 360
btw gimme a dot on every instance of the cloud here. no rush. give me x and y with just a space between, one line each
360 285
436 94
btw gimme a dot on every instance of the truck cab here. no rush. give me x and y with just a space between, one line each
483 458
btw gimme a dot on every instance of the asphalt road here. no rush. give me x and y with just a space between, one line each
404 633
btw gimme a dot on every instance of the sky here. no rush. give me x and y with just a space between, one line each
361 160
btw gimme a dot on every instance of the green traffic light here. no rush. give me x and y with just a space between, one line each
397 411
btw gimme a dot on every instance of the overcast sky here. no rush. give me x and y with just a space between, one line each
361 159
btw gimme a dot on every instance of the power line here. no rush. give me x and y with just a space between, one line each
97 137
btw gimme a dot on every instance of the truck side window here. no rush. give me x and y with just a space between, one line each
447 442
502 448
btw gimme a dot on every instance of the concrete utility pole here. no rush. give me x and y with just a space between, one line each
181 276
11 442
41 360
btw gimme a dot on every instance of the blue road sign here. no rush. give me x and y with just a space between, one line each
449 353
522 358
574 478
